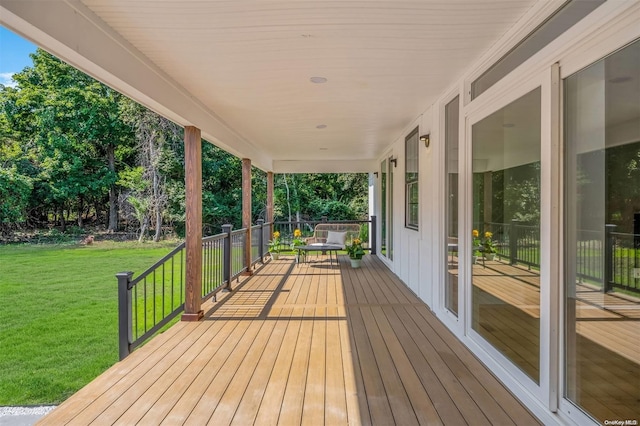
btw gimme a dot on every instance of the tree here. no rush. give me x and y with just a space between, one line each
72 126
15 190
147 182
338 196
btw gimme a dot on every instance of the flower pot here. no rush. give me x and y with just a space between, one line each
489 256
355 263
275 256
474 259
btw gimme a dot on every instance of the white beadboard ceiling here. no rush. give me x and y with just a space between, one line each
249 64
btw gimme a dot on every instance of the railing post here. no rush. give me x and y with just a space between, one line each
261 240
125 335
513 242
608 258
373 234
227 258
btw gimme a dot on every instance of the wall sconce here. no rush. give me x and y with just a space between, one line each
394 161
426 140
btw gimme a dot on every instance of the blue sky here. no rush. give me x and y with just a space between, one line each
14 54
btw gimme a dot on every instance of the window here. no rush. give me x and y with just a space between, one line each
386 222
411 180
452 116
571 13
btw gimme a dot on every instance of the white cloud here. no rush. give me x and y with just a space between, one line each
6 78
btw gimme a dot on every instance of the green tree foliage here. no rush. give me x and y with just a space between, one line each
70 127
15 190
314 195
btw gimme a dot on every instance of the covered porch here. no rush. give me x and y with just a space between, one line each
302 344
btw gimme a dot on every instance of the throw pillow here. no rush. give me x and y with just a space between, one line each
336 238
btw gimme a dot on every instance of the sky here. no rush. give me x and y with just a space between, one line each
14 55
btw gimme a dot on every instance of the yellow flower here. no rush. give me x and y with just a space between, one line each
276 234
356 241
475 233
297 233
488 234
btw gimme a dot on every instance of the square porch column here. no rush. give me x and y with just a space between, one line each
246 209
193 237
269 215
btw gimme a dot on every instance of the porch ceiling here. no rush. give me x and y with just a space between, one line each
241 70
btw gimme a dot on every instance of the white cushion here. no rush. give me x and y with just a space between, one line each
336 238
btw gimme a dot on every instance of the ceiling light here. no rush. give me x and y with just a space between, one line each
318 80
321 126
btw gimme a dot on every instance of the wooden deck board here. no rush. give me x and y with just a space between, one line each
312 343
274 394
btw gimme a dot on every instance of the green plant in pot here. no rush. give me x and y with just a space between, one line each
489 246
476 245
274 245
297 242
355 252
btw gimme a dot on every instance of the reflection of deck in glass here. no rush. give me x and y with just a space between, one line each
606 338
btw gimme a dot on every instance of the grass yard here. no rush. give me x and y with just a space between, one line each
58 322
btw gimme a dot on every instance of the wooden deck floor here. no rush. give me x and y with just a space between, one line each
310 344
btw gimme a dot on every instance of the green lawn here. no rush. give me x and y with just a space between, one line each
58 319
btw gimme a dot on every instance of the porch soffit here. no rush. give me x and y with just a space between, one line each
241 71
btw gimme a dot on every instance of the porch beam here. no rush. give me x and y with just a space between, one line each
246 209
193 238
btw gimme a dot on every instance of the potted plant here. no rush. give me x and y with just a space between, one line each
477 245
297 242
489 246
274 246
355 252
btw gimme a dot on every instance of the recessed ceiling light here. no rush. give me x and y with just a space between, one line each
321 126
508 125
318 80
622 79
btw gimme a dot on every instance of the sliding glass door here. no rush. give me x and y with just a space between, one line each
505 274
602 237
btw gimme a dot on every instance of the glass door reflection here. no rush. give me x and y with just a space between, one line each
506 231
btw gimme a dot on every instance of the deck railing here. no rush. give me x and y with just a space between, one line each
148 302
